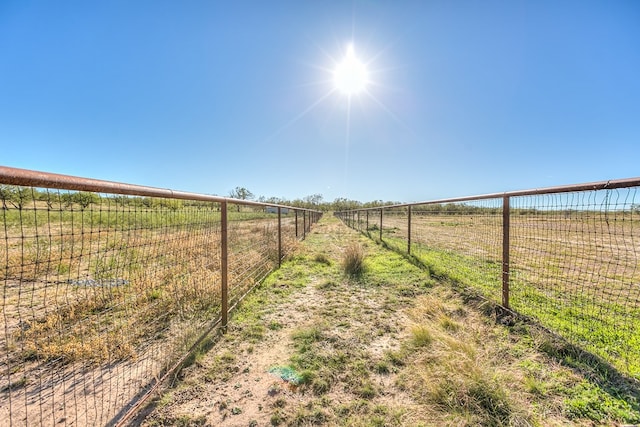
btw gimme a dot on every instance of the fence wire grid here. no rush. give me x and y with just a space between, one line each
569 259
102 294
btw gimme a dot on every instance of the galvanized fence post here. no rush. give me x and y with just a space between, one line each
381 224
224 264
505 250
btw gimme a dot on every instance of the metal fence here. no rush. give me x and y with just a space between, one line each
107 288
567 257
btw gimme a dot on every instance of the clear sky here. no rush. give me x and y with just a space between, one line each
462 97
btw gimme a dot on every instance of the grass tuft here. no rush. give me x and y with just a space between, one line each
421 336
353 260
322 259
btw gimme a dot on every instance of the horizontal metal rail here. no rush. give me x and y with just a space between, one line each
30 178
591 186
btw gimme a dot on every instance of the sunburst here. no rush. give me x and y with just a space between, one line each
350 76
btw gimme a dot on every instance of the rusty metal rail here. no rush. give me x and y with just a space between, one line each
108 287
566 256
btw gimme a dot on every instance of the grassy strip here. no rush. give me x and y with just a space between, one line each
391 346
609 330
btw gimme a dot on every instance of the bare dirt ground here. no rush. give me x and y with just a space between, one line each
391 348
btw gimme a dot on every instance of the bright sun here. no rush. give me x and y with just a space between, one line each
351 75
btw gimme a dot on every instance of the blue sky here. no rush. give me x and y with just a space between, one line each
465 97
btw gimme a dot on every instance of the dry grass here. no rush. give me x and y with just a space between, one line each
129 291
457 371
353 260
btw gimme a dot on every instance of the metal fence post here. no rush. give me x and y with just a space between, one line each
409 231
381 225
224 264
505 251
296 211
304 224
279 236
367 229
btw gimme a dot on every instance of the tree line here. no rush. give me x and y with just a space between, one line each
16 197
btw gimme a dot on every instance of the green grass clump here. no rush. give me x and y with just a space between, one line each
421 336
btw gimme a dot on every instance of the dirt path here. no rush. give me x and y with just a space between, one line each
312 346
232 386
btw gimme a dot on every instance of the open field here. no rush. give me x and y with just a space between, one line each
391 345
98 303
575 272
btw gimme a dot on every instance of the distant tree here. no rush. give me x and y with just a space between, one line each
47 197
120 200
148 202
342 204
82 198
16 196
241 193
272 200
313 200
172 204
85 198
66 199
6 192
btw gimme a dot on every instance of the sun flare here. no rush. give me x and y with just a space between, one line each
350 76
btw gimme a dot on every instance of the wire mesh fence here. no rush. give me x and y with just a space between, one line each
103 294
566 256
